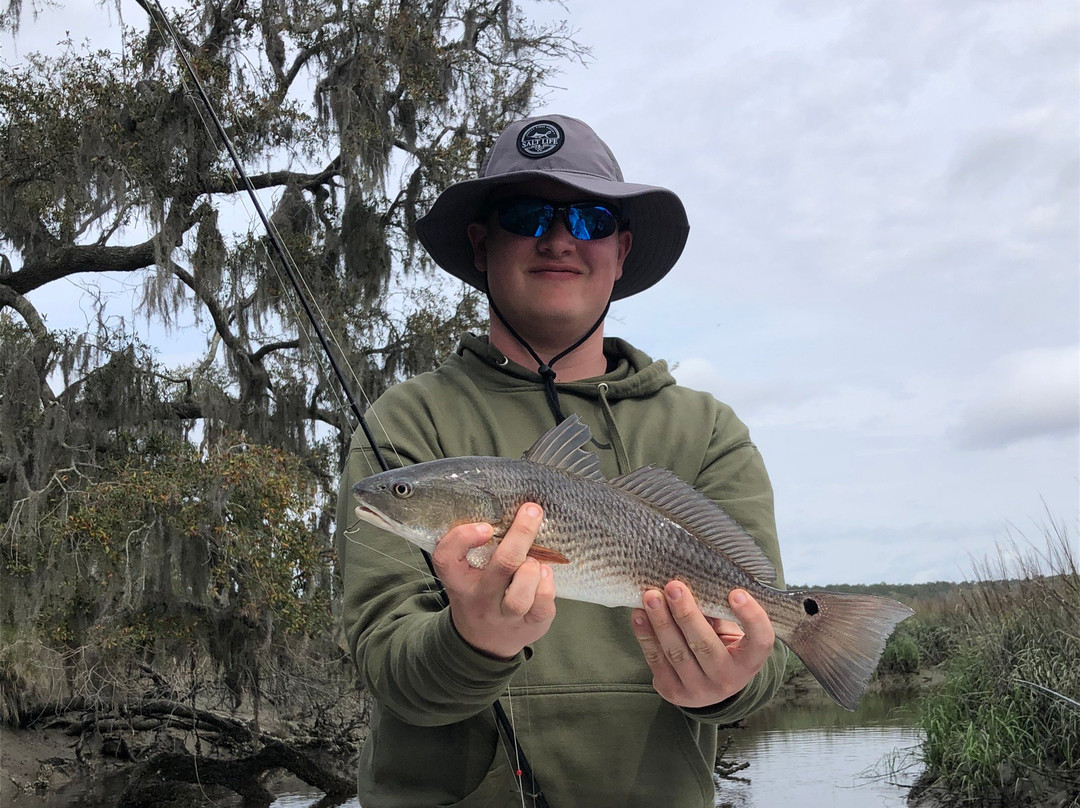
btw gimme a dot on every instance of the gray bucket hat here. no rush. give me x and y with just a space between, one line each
568 151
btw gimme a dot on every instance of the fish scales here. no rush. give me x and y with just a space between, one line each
616 546
609 541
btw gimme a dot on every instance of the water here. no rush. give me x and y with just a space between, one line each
824 756
818 755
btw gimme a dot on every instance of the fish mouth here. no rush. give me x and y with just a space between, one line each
374 517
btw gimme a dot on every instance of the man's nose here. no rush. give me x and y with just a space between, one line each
557 237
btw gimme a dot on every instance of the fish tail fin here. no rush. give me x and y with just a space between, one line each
840 638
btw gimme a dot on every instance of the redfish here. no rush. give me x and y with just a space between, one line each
610 540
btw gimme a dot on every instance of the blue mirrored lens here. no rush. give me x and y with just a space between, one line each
587 222
526 217
533 217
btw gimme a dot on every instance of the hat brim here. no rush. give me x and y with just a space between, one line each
656 215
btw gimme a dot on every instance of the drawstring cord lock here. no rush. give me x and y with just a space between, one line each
544 368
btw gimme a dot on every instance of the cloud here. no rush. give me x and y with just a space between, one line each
749 397
863 407
884 203
868 552
1031 394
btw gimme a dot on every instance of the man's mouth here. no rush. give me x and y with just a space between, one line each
554 270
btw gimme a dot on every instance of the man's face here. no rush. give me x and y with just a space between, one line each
554 286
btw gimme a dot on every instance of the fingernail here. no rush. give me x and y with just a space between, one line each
545 571
653 602
674 593
639 619
484 529
532 510
738 597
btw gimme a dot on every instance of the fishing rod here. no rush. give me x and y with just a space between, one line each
292 272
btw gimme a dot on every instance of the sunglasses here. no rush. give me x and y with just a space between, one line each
526 216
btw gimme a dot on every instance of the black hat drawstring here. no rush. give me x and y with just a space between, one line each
544 368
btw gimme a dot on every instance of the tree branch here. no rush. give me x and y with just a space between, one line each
75 259
221 322
42 352
260 354
272 179
10 297
242 775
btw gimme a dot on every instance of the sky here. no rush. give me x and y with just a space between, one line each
883 271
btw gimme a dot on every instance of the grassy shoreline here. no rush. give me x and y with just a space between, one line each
1004 728
994 665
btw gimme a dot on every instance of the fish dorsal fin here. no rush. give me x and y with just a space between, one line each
560 448
699 515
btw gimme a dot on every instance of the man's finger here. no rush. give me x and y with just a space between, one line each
544 602
670 637
514 546
697 632
663 674
520 595
759 636
726 627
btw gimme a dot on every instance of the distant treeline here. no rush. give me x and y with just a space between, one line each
906 593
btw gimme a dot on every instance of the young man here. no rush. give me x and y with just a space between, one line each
613 707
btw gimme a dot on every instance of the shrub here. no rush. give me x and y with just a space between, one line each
1004 729
901 656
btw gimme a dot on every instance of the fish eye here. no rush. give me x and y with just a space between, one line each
402 490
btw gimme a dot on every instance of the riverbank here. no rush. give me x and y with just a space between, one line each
800 689
42 768
35 762
48 768
61 764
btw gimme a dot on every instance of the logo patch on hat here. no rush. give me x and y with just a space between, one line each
540 139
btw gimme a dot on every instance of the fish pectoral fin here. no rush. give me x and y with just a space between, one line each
547 554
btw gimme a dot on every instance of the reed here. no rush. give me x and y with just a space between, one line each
1004 729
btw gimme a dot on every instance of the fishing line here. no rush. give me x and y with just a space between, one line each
516 762
335 391
293 274
352 529
279 247
296 279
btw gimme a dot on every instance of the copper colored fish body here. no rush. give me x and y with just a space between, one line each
609 541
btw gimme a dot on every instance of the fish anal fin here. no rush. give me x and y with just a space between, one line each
698 515
561 448
547 554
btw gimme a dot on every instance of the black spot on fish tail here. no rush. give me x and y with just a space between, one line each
810 606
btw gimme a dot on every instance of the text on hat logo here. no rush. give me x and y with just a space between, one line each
540 139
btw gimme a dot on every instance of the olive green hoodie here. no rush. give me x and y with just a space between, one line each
595 731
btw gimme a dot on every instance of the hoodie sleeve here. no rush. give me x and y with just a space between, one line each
733 475
407 651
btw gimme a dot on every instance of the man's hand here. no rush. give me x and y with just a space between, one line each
697 661
511 601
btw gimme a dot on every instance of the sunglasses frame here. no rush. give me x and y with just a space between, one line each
502 207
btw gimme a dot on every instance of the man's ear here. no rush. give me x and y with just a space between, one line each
478 234
626 240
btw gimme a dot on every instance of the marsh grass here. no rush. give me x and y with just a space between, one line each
1004 730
